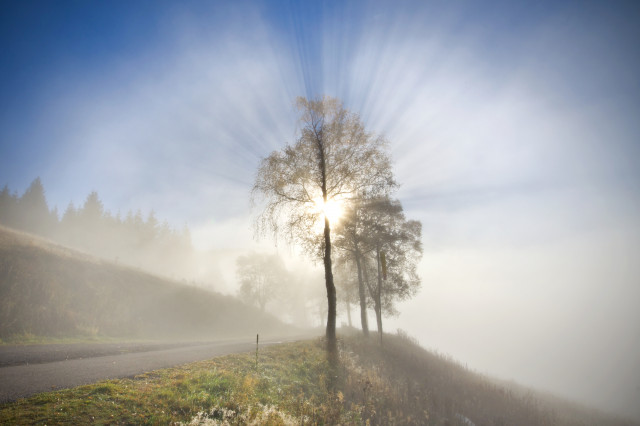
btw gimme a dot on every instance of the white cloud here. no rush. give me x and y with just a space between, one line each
193 123
526 191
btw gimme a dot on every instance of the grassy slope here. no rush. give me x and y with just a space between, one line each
52 291
293 384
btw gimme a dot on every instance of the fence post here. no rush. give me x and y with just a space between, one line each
257 340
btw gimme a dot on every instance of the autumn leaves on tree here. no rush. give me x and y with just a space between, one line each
331 189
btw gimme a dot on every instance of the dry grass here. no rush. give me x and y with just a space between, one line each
399 383
415 383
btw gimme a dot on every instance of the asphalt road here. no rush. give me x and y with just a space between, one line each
27 370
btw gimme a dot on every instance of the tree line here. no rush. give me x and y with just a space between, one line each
136 240
335 161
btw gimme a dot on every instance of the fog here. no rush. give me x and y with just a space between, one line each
513 130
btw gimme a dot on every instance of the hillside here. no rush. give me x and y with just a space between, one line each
450 393
292 384
48 290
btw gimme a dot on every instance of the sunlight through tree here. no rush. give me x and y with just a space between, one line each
333 159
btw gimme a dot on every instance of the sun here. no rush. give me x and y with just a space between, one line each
332 209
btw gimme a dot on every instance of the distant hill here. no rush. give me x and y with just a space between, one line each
49 290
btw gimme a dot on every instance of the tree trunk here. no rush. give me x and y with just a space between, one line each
349 314
374 293
332 346
378 301
363 297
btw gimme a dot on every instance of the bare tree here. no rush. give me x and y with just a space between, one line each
332 160
261 278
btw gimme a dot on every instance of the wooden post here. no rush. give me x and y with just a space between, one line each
257 340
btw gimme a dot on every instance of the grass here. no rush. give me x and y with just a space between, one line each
400 383
290 382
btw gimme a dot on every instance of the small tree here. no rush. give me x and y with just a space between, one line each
261 278
34 212
353 246
332 160
8 207
397 249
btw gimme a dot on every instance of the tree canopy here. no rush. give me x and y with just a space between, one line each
333 160
385 247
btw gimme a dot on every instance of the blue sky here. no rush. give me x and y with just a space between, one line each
513 127
94 57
